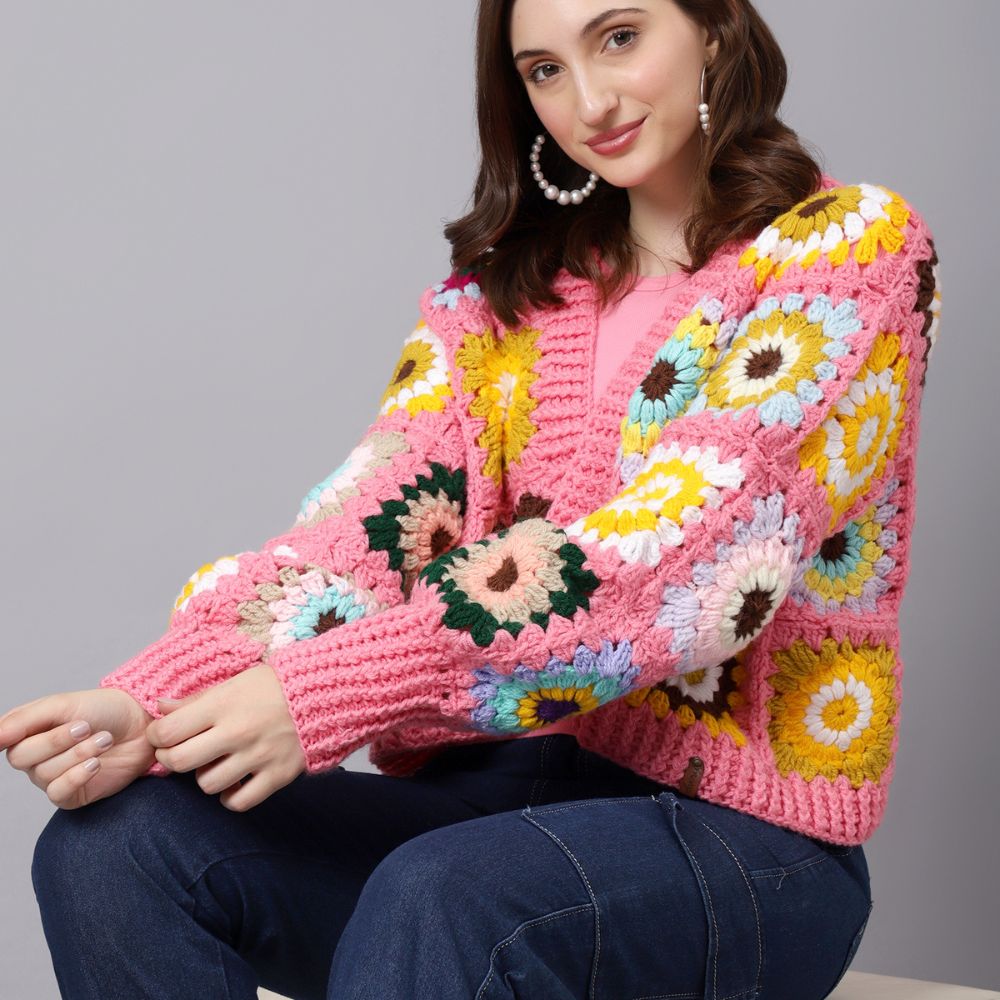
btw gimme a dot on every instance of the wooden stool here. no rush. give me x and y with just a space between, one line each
865 986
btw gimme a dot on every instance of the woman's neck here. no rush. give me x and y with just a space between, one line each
658 210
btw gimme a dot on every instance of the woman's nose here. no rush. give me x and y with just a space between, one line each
595 100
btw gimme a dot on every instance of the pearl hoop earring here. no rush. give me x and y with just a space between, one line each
703 107
552 192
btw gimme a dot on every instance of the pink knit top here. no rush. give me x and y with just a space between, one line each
621 324
700 568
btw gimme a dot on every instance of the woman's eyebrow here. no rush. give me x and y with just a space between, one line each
592 25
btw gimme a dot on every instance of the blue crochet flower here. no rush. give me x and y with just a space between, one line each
780 358
530 699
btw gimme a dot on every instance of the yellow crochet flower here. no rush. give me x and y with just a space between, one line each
205 578
650 512
838 588
771 356
854 219
850 449
709 695
850 572
833 711
420 381
501 372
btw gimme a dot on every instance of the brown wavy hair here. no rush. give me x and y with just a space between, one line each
752 167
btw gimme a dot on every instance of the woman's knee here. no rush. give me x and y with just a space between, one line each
441 903
89 844
486 864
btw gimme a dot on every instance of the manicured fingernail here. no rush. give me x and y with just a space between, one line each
80 730
92 764
103 740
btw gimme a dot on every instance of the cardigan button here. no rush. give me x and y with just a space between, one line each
692 777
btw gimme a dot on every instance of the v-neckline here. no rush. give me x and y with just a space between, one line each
583 425
615 394
612 402
639 345
595 455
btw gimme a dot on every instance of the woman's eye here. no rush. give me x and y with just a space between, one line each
629 33
623 31
533 75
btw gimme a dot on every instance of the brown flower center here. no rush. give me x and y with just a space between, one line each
505 577
327 621
764 363
833 547
405 371
756 604
441 541
808 211
529 505
661 379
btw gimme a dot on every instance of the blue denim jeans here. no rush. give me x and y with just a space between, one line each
527 868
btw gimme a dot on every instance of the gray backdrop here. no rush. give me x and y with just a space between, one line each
216 219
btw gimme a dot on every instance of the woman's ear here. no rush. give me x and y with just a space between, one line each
711 43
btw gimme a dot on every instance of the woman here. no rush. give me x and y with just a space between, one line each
610 586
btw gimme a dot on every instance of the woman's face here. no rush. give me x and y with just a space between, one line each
588 70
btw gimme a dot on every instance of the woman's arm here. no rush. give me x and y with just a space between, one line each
359 539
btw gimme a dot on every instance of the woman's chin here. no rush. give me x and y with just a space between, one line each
627 178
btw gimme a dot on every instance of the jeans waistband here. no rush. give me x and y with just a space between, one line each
556 756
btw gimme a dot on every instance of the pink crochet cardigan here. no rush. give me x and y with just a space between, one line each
703 569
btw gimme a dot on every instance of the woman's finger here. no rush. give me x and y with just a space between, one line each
33 750
65 791
33 717
221 775
253 791
199 750
82 749
184 721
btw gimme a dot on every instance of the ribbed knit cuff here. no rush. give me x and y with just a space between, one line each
189 658
366 677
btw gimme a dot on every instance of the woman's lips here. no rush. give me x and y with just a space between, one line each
619 142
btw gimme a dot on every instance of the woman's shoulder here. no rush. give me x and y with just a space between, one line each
454 303
864 227
859 233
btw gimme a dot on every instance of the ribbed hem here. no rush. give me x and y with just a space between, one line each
741 778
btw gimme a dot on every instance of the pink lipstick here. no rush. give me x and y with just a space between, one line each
616 139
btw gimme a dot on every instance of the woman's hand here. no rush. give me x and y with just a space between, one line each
239 727
39 742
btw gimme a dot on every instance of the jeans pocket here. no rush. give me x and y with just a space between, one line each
853 949
768 848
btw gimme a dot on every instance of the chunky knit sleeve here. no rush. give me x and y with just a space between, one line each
791 430
357 543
